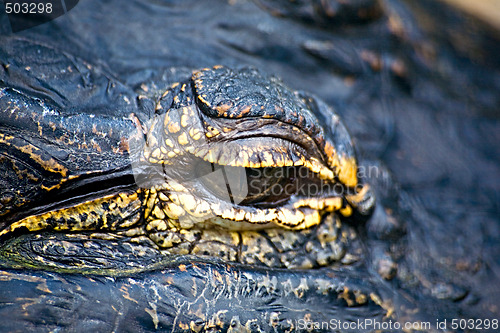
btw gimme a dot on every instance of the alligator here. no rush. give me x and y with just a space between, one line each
308 166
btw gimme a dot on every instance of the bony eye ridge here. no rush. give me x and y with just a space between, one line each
287 175
231 159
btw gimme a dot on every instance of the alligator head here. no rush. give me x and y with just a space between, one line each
232 165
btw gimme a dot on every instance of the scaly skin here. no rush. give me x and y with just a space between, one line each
110 135
270 130
173 216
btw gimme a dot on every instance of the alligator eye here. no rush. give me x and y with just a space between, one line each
226 183
269 186
246 186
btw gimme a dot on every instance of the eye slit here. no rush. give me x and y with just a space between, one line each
247 186
268 186
215 179
225 182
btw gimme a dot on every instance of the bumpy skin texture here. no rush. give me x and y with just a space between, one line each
68 90
264 136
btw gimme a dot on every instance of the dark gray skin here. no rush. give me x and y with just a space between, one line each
417 104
